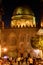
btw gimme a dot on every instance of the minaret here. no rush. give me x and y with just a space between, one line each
1 14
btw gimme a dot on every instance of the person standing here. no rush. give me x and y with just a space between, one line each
18 60
30 61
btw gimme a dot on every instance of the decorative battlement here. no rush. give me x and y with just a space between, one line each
23 25
30 22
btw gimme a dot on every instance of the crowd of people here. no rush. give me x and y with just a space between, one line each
20 61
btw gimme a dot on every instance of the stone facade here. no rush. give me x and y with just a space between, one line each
18 40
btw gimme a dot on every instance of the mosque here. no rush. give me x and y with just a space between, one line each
17 38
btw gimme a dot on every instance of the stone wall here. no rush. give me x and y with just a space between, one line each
17 40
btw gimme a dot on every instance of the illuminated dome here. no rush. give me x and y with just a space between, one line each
23 10
23 16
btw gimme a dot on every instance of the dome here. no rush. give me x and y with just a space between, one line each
22 16
20 11
23 10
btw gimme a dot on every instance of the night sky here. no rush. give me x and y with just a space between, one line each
10 5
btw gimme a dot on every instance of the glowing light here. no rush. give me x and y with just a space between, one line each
41 24
5 57
40 32
22 22
23 17
37 51
5 49
13 23
34 23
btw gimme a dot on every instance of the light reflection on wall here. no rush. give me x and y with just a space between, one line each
41 24
23 22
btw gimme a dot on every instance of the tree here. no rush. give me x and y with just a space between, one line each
41 42
37 42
